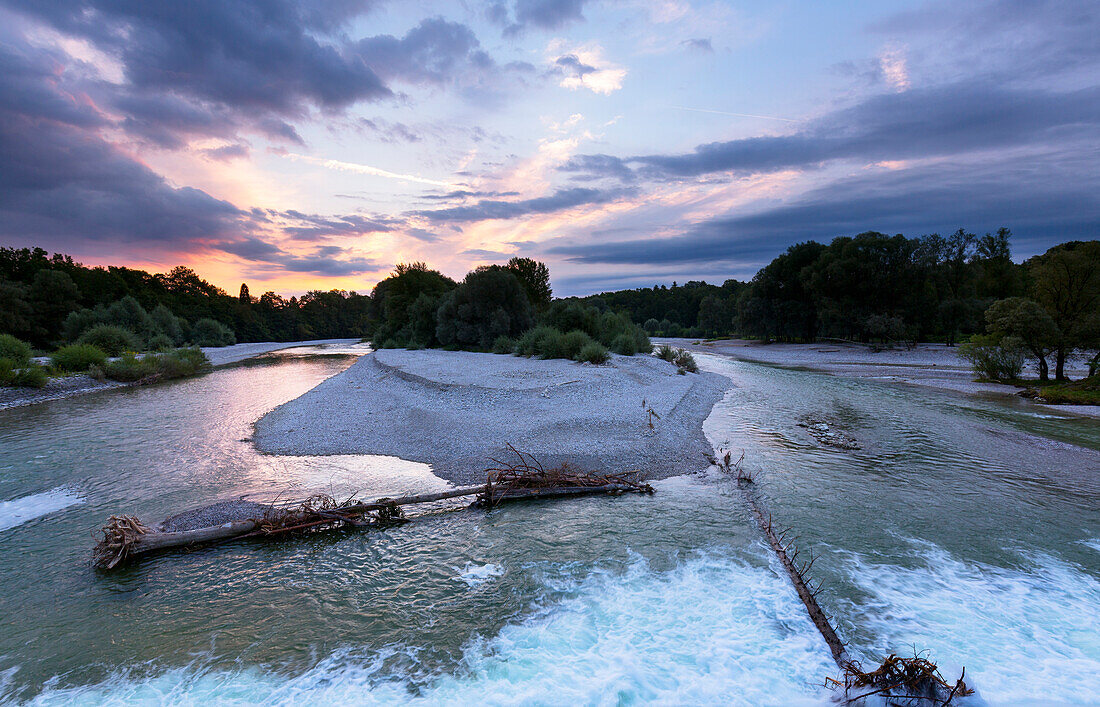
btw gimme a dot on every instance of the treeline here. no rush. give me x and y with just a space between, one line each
878 288
500 308
50 300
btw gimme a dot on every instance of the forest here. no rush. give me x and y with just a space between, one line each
872 288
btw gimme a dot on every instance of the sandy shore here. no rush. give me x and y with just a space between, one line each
70 386
457 410
930 365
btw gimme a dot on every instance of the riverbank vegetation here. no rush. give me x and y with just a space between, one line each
505 309
873 288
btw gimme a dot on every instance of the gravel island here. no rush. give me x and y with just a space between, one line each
457 410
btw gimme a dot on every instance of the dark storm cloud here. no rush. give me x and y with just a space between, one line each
331 261
1043 198
214 67
487 209
919 123
60 180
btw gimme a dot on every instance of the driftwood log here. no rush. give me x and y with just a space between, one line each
124 537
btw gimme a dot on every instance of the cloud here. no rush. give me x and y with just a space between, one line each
435 51
585 68
367 169
699 44
212 68
894 68
311 227
1042 197
539 14
919 123
488 209
390 131
329 261
61 180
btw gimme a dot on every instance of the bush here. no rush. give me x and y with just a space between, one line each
208 332
999 359
29 375
666 353
625 344
685 362
553 345
160 342
14 350
574 341
111 339
504 345
175 364
76 358
529 344
592 353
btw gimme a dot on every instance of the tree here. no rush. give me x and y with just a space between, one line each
488 304
244 297
51 296
1067 284
535 278
392 298
1028 322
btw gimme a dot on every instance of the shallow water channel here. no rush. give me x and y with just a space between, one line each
964 526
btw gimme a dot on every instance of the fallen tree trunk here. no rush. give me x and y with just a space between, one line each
125 537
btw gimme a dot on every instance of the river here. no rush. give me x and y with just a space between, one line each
969 527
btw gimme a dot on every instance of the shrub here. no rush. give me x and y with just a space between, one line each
652 326
166 324
553 345
574 341
999 359
666 353
175 364
592 353
208 332
503 345
160 342
31 376
78 357
529 344
625 344
16 351
685 362
111 339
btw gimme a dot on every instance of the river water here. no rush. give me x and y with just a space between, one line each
968 527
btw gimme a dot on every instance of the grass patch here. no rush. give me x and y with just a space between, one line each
1082 392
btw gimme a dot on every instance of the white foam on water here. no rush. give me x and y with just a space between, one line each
475 575
1026 636
712 630
36 505
1094 544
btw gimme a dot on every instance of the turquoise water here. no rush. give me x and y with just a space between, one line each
953 528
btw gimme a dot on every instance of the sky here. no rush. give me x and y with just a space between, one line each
313 144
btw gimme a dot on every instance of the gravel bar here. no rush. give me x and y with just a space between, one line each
457 410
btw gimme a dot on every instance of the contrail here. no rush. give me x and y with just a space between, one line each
736 115
367 169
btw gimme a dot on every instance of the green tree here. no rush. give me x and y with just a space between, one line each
51 295
1028 322
535 278
1067 283
392 297
488 304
